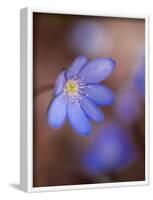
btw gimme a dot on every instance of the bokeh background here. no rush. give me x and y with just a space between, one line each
115 151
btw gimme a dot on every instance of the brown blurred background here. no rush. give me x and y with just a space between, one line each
57 40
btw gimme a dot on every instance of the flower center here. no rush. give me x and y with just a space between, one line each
72 87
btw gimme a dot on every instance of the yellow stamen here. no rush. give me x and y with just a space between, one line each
72 87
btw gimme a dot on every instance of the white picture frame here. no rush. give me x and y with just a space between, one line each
26 107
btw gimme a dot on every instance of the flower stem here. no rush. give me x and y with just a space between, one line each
43 89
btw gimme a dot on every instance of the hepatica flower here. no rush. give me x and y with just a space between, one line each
78 93
139 79
86 34
128 107
112 150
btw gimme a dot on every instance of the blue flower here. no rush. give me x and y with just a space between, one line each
112 150
78 93
128 107
129 102
86 34
139 79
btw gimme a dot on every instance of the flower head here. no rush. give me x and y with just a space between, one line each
86 34
78 93
112 150
139 78
128 107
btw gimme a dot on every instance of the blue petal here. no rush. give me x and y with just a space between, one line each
76 66
128 106
57 111
92 162
97 70
113 149
117 148
60 82
79 121
99 94
91 110
139 81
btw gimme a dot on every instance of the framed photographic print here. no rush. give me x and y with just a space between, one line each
84 100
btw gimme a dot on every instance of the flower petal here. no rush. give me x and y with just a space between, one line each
60 82
128 107
99 94
76 66
57 111
97 70
79 121
91 110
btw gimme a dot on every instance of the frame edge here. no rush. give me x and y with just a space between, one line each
23 99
